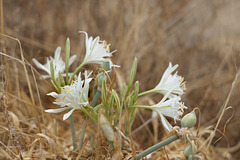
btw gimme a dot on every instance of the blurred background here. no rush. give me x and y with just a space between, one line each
202 36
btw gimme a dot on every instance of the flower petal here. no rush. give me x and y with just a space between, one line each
40 66
56 110
165 123
53 94
68 114
72 59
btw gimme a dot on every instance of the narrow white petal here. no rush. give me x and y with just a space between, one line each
72 59
68 114
46 76
53 94
57 53
56 110
40 66
165 122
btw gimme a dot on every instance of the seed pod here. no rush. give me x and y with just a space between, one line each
190 157
106 66
189 120
106 127
191 149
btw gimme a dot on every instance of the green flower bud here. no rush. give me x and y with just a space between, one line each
191 149
189 120
106 66
190 157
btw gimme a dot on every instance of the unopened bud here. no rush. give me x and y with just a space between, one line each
106 127
191 158
106 66
189 120
189 150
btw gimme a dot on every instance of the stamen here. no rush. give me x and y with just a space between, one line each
182 107
106 46
69 92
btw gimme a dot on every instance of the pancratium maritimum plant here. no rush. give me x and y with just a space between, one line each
96 97
58 64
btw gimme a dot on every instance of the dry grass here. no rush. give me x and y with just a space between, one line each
201 36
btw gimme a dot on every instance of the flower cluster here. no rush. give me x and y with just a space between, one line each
72 97
172 87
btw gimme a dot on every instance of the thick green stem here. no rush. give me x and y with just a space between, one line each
74 137
146 92
80 66
82 136
156 146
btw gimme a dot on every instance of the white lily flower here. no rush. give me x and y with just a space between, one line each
58 64
171 82
169 107
96 51
72 97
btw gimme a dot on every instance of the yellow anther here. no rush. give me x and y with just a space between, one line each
68 92
182 107
183 86
182 79
106 46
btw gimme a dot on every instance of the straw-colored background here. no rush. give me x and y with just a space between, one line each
202 36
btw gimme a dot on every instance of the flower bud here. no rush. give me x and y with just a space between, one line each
106 66
190 157
106 127
189 120
191 149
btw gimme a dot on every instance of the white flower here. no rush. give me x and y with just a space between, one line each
72 97
171 82
96 51
58 64
171 108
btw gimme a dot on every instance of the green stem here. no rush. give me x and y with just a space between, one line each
82 135
146 92
74 137
143 106
156 146
80 66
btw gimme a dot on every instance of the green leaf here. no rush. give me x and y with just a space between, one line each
104 94
67 54
118 106
132 75
110 108
61 79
